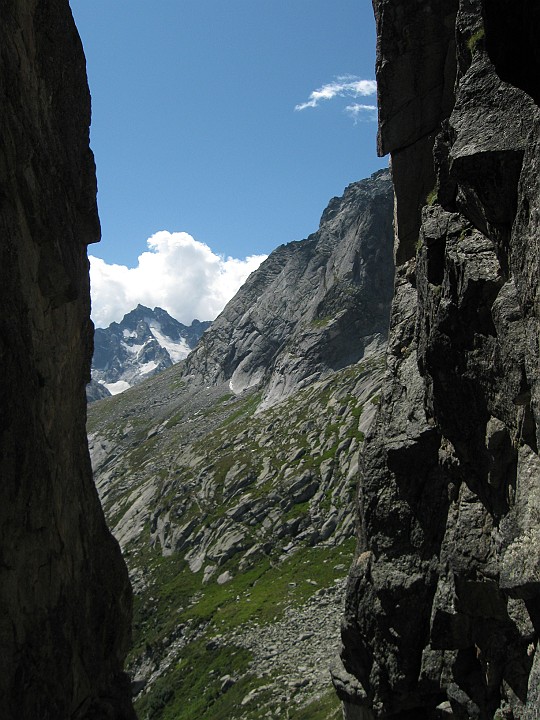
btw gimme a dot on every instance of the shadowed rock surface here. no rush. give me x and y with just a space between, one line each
65 599
443 602
96 391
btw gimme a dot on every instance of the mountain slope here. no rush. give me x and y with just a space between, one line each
313 306
232 519
144 343
235 511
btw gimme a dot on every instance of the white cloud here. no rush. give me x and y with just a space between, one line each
178 273
343 86
362 112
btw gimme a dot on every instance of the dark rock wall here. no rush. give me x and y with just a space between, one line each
443 606
64 594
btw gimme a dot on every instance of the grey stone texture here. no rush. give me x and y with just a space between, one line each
65 599
443 602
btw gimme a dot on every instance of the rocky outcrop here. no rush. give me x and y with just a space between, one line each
443 602
64 593
144 343
96 391
313 306
284 474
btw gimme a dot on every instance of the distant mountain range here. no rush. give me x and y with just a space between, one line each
144 343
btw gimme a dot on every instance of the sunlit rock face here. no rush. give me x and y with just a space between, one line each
65 600
314 306
443 605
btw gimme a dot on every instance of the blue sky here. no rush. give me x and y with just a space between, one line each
194 125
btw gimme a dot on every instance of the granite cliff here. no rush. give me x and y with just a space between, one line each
314 306
65 599
229 478
443 601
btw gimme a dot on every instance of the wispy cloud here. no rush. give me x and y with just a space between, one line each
177 273
359 112
343 86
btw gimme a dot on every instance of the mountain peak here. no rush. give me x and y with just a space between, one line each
235 485
314 305
144 343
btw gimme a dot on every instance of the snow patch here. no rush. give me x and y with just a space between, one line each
133 349
177 349
127 334
118 387
147 367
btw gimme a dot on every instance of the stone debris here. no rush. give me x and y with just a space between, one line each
296 661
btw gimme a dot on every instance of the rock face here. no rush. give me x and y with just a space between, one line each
144 343
313 306
443 602
64 593
96 391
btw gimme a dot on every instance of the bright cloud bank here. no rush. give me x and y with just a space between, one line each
177 273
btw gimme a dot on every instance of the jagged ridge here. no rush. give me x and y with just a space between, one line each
313 306
144 343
